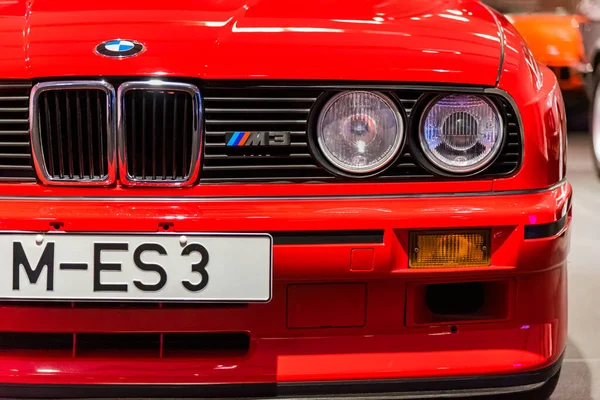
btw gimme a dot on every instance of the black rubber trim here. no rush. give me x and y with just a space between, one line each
426 384
237 391
282 390
545 230
328 237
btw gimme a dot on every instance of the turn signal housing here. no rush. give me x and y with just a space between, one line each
450 249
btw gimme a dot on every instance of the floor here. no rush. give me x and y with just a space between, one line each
580 379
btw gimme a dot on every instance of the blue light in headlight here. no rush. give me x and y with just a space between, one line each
461 132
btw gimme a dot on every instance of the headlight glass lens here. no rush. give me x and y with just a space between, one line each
360 132
461 133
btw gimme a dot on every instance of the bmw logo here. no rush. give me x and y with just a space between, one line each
120 48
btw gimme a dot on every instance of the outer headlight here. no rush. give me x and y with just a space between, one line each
360 132
461 133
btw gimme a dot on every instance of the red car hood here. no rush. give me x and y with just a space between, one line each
446 41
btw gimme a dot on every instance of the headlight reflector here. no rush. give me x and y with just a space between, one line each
461 133
360 132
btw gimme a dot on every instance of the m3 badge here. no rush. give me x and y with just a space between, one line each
249 139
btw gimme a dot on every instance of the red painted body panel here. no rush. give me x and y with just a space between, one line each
411 41
542 110
266 39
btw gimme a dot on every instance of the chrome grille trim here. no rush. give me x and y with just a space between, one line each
105 178
191 173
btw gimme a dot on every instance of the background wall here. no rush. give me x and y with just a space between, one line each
532 5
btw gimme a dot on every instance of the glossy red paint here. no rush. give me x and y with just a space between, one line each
266 39
542 111
434 42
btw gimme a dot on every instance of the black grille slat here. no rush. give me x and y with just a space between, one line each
283 158
268 167
13 121
14 144
9 132
69 137
12 98
11 155
184 151
59 142
79 134
256 122
164 141
174 158
15 167
262 99
154 135
143 137
258 110
50 161
167 119
71 123
101 136
89 127
13 109
133 154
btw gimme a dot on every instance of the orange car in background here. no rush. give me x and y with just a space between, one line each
555 41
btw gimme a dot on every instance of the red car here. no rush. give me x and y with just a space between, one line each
277 199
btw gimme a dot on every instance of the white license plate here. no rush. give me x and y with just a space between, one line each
145 267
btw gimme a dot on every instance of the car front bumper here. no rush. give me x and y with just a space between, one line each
456 388
346 309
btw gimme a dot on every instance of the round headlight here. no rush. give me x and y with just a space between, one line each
461 133
360 132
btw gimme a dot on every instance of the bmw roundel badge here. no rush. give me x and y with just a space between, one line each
120 48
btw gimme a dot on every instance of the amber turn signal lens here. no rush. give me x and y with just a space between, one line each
450 249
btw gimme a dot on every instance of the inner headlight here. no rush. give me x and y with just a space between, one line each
360 132
461 133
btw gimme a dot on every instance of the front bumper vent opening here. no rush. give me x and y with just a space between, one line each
180 344
94 343
73 133
145 345
120 345
455 303
455 299
160 138
16 341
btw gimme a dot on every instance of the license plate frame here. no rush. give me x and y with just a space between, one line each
53 237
